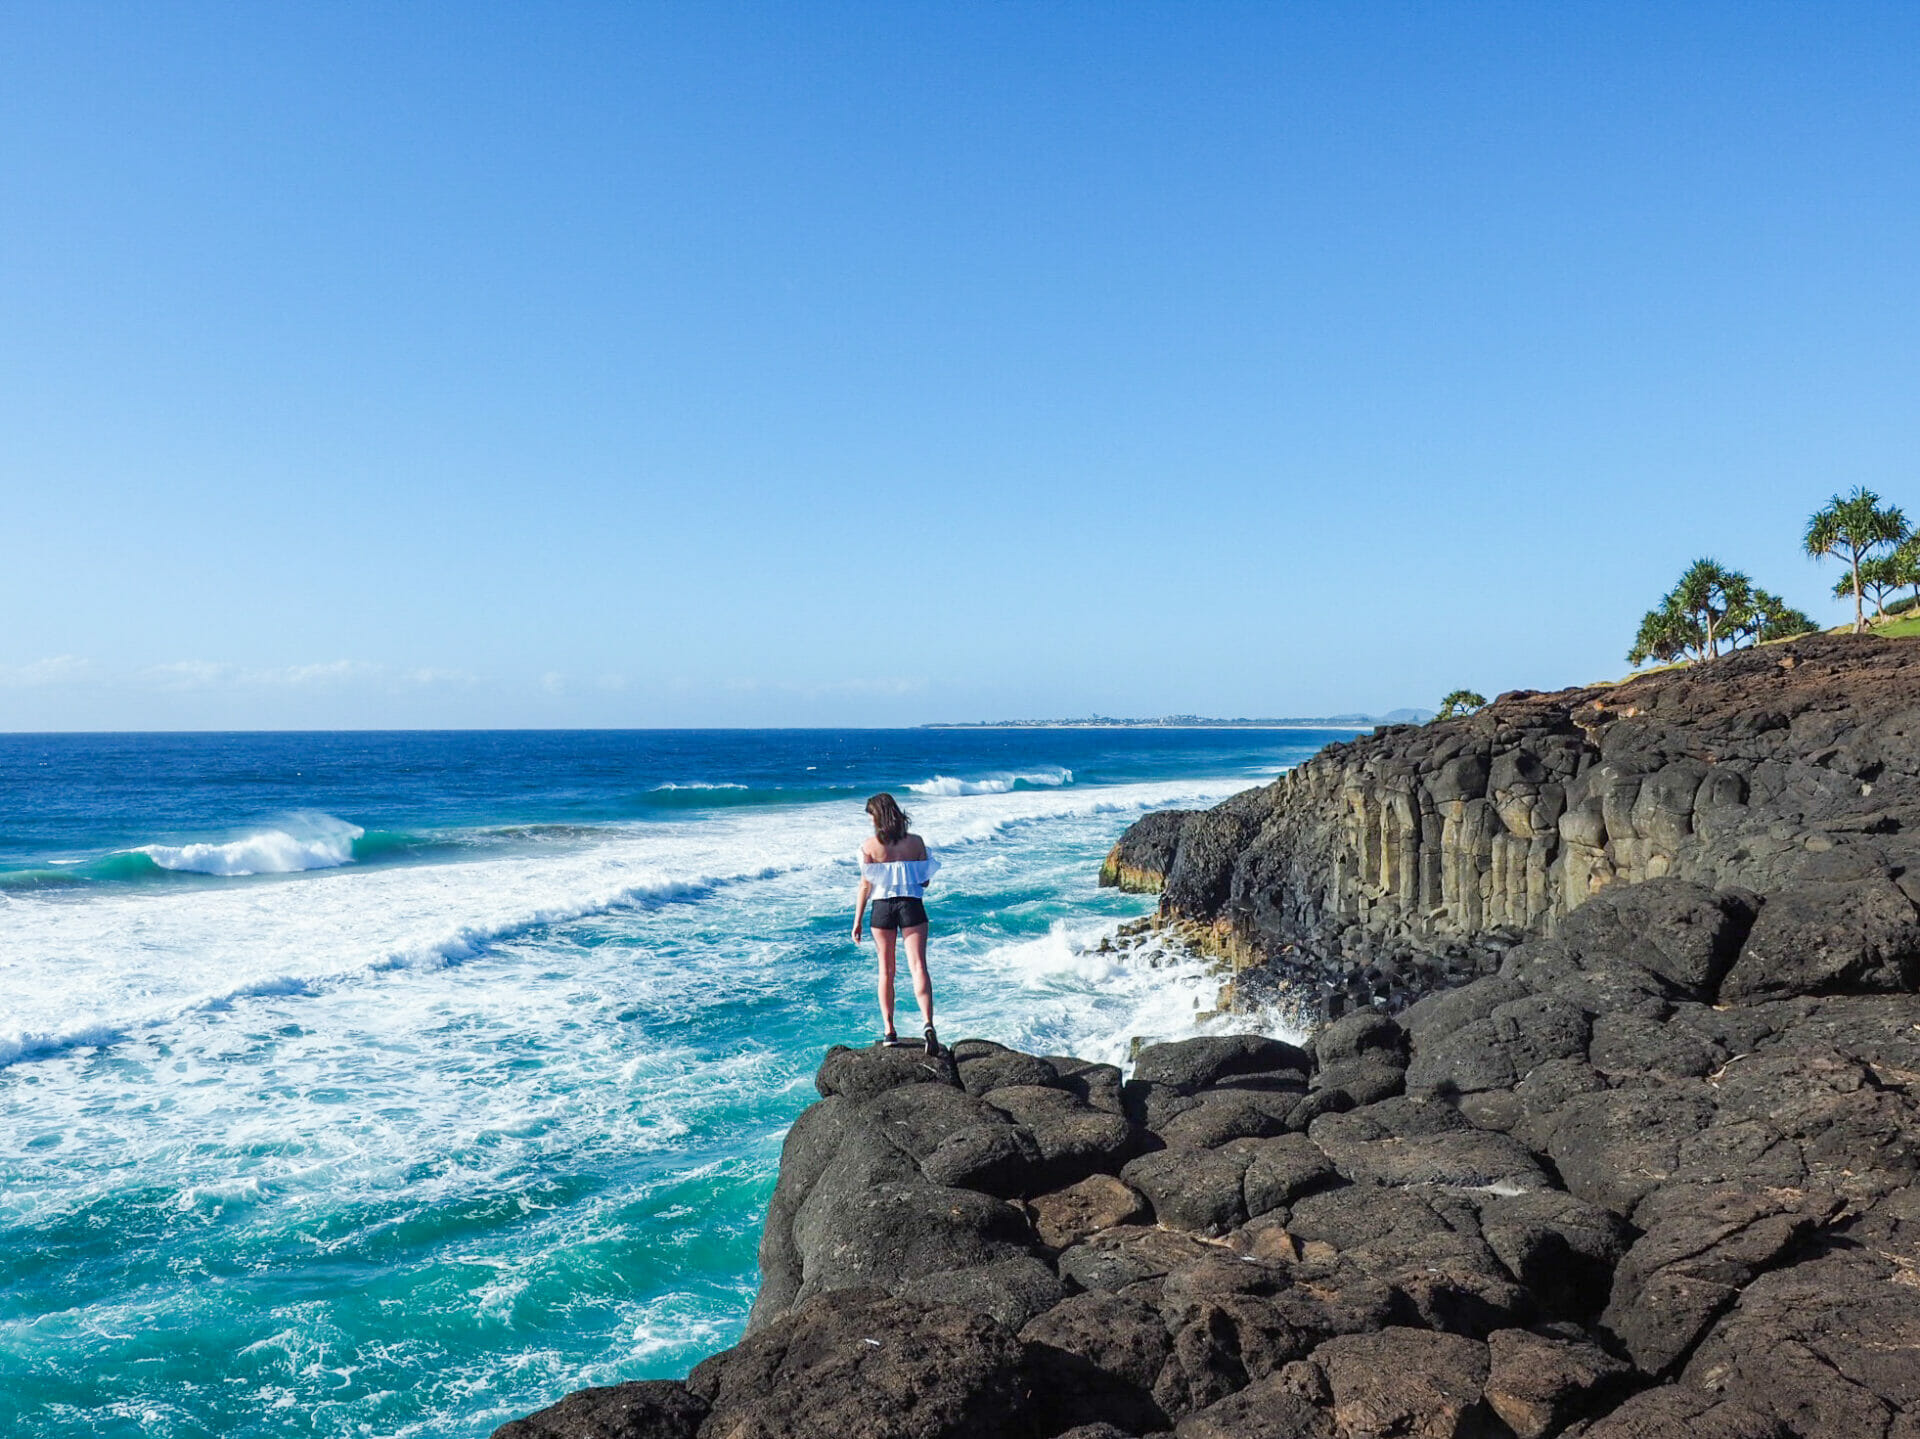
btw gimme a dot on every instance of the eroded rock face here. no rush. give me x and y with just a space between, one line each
1413 858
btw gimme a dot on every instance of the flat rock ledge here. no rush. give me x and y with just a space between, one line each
1623 1188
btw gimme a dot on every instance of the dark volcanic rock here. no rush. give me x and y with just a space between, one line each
1096 1357
1067 1216
1541 1382
861 1074
1860 934
1197 1190
1190 1065
654 1409
1408 860
1407 1381
1268 1409
862 1362
1675 1412
1619 1141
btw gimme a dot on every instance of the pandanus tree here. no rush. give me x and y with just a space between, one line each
1709 596
1767 618
1855 529
1906 566
1461 702
1711 607
1878 578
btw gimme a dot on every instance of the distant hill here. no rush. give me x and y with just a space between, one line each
1342 721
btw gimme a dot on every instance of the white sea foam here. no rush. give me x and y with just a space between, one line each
150 958
696 784
948 786
306 841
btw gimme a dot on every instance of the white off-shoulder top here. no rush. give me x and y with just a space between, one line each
899 878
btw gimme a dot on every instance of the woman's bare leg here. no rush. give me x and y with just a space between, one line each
883 940
917 964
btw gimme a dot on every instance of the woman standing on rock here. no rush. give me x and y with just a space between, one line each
894 870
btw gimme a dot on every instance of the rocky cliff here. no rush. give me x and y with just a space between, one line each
1416 857
1650 1176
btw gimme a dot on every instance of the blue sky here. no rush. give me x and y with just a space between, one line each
815 364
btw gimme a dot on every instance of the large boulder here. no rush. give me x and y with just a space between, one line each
862 1362
1682 933
1190 1065
1821 938
860 1074
892 1233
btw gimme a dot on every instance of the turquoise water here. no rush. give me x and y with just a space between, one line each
397 1085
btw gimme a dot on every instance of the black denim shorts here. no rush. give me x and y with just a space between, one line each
902 911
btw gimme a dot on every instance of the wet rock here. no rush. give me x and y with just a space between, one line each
862 1362
1066 1216
1407 1382
655 1409
1541 1382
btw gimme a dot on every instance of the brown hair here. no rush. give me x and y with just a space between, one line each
889 820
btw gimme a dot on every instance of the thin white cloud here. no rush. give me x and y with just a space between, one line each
217 674
879 687
53 670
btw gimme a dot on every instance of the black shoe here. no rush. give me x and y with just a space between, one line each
933 1044
889 1041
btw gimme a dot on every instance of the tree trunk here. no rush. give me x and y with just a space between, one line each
1859 609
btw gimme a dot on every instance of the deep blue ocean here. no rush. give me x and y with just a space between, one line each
398 1084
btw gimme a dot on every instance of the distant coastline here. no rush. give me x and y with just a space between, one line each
1345 721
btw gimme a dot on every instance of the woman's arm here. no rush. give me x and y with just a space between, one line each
860 909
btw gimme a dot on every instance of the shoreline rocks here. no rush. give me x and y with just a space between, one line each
1616 1138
